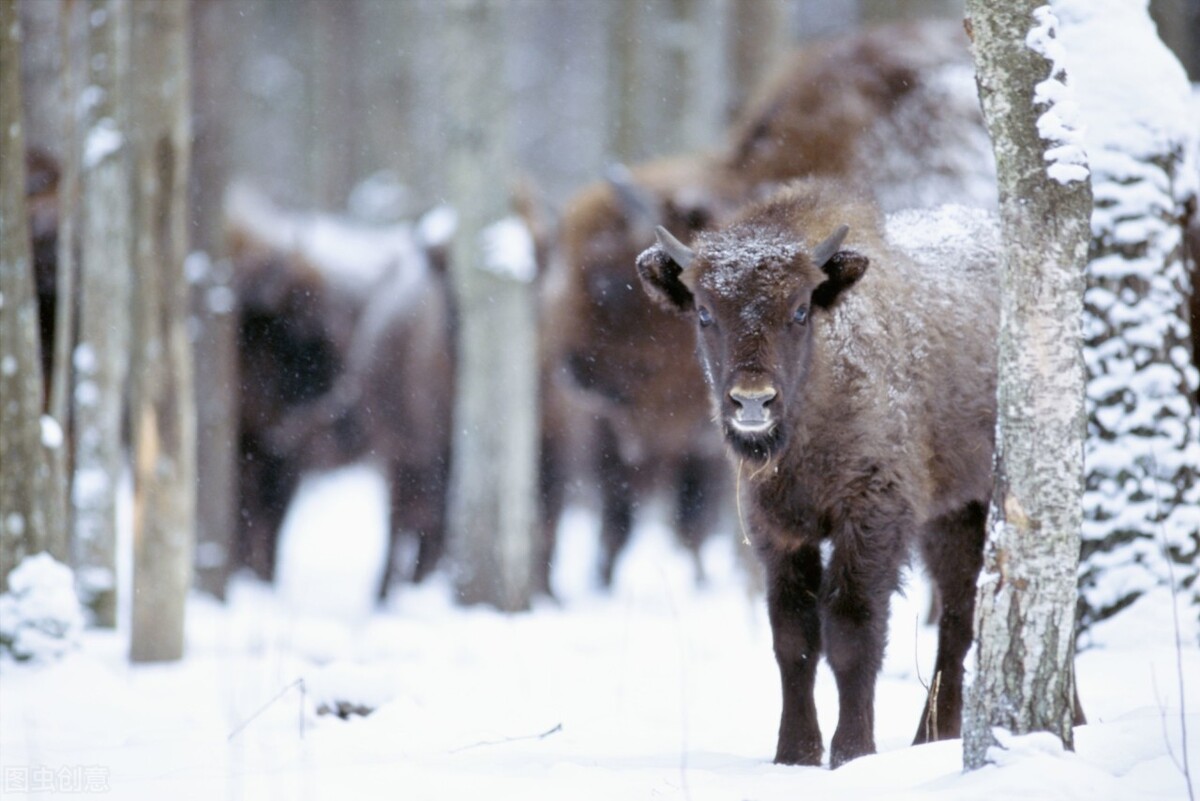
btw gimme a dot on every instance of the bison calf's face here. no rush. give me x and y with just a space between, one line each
755 293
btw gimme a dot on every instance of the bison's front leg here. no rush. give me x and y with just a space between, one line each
793 583
862 575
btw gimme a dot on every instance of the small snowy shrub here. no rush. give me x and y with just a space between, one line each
40 615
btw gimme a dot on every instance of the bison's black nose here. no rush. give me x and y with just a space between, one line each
752 404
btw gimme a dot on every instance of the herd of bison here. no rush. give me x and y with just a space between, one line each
759 319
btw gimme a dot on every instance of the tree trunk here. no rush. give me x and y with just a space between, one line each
60 520
101 359
23 477
1025 612
494 473
761 40
1142 502
212 303
700 45
669 76
163 412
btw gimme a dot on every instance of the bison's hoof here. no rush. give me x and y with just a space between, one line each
799 754
842 752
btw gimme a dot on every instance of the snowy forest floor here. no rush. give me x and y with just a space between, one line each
657 690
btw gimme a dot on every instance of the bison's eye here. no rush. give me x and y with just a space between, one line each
800 317
704 316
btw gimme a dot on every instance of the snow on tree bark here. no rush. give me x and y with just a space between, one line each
100 359
23 478
492 514
163 411
1143 447
1026 602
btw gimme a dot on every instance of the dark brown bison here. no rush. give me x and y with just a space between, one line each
288 355
392 404
892 110
300 283
854 385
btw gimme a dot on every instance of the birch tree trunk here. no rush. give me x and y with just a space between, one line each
163 411
23 469
1026 603
493 483
101 358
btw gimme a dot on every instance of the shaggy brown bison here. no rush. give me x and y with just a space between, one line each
300 282
891 110
392 404
288 355
854 385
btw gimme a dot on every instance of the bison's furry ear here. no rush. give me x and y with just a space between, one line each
844 268
662 279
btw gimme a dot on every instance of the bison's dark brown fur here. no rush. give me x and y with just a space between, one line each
859 406
291 348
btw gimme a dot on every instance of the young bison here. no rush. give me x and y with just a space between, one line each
858 406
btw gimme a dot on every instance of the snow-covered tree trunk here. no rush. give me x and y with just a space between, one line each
23 468
492 515
1143 448
101 357
162 408
1026 598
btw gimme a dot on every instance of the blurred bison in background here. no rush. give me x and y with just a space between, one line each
892 112
392 403
649 426
301 282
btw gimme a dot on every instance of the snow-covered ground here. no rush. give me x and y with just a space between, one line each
660 690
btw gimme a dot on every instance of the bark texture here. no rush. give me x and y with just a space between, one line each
212 298
1025 610
163 411
101 357
494 473
23 468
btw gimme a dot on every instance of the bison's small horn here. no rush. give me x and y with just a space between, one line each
639 206
681 253
824 251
